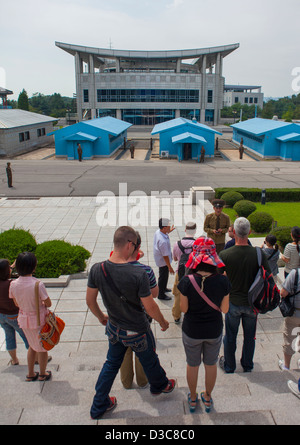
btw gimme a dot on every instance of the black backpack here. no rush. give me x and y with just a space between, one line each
184 258
263 295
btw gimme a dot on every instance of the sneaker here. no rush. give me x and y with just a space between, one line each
293 388
222 365
282 366
177 321
169 388
113 403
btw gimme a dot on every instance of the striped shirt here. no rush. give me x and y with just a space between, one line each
149 270
293 255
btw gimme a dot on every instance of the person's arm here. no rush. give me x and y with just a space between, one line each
154 312
206 227
91 301
167 261
154 291
184 303
284 293
47 302
225 304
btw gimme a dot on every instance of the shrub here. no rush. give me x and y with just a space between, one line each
283 235
261 222
231 198
57 258
244 208
15 241
254 194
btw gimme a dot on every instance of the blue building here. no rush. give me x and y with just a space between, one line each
269 139
97 137
183 139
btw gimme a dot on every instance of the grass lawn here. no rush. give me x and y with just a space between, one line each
285 213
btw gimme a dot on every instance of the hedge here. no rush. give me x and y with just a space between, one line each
254 194
244 208
15 241
232 198
261 222
283 235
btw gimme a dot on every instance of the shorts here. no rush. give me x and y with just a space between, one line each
197 350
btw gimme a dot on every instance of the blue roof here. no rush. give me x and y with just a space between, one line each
81 137
165 126
260 126
188 137
110 124
295 137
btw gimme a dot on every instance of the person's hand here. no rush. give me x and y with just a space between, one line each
104 320
164 325
171 270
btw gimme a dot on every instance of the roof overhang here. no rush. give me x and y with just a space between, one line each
81 137
188 137
291 137
154 55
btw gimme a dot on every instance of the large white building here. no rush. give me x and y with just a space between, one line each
243 94
149 87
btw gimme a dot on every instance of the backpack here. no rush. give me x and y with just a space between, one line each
263 295
184 258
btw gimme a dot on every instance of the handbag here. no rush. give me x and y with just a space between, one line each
287 304
51 331
202 294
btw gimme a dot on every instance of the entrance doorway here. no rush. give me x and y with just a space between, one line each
187 151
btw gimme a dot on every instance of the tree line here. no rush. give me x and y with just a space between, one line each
53 105
286 108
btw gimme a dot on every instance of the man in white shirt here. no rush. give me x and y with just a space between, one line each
163 256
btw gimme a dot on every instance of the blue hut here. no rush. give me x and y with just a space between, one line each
98 138
183 139
269 138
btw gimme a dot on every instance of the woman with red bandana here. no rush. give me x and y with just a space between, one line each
204 297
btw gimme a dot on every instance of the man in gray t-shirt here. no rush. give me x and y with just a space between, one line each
123 287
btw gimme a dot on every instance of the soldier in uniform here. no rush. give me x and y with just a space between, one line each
9 175
79 151
202 155
216 224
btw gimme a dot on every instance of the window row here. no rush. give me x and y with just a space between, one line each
144 95
247 100
25 136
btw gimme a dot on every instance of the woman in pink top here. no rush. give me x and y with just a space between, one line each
22 291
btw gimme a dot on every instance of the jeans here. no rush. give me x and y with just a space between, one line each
232 322
144 347
163 280
10 325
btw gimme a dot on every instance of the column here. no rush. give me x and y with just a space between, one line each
78 72
92 91
203 90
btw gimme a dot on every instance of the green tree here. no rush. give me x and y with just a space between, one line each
23 103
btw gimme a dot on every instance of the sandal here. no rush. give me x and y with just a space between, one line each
12 363
192 403
32 379
207 403
44 378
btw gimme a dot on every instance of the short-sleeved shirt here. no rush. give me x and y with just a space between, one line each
201 321
293 255
161 248
22 290
133 283
177 252
289 285
241 266
272 257
149 270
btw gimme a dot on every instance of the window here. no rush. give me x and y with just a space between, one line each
27 136
209 96
21 137
41 132
251 100
246 100
144 95
85 95
236 100
255 100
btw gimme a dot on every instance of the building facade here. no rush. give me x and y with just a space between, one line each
97 138
22 131
183 139
243 94
269 139
149 87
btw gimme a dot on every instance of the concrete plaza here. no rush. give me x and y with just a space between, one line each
260 397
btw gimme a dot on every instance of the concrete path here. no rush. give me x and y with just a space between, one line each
260 397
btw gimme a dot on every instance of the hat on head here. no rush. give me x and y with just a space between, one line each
204 251
218 203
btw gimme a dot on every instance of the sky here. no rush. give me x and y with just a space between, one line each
267 31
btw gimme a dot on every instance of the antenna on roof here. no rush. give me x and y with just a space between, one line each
110 43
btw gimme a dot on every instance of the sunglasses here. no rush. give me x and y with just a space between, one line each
135 245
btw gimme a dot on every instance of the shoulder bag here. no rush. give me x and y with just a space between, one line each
287 304
51 331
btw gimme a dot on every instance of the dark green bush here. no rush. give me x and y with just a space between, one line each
244 208
261 222
254 194
283 235
57 258
231 198
15 241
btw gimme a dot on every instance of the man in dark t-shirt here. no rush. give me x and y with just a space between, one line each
241 268
123 287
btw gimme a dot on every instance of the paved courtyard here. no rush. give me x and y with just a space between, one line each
261 397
